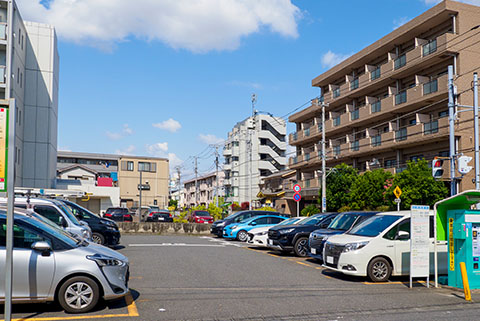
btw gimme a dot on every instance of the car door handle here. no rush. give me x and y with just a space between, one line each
389 245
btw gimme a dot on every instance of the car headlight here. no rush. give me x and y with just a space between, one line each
354 246
108 223
221 224
86 234
103 260
289 230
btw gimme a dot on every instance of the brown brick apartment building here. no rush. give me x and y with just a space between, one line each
388 103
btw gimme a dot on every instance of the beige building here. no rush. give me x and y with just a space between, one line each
272 191
154 181
387 104
206 187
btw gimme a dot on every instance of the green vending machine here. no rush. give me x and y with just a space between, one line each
463 246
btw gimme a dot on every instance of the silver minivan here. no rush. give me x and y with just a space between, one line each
55 211
51 265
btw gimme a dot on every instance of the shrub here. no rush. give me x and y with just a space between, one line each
310 210
267 209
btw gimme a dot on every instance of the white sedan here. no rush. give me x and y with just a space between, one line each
258 236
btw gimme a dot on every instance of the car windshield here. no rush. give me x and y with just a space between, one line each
343 222
78 209
202 213
39 222
289 221
69 213
374 225
313 220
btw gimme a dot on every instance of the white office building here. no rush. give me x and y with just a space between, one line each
29 65
254 149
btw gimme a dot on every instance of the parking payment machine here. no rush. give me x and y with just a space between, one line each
463 246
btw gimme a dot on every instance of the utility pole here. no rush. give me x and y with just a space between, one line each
324 174
254 100
476 129
196 181
216 173
179 185
451 119
140 198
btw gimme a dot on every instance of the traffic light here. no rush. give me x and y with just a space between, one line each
437 170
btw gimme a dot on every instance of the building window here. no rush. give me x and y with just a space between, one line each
147 167
306 132
376 140
235 158
375 74
355 114
401 97
19 35
354 84
355 145
377 106
412 122
127 166
18 74
416 158
236 143
430 87
336 92
21 80
390 163
430 47
401 134
400 61
336 121
336 150
443 113
430 128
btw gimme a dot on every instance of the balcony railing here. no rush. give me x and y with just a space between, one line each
354 84
336 92
430 48
307 157
401 134
401 97
355 146
2 74
3 31
355 114
430 128
400 62
295 136
306 132
336 150
375 74
430 87
377 107
376 140
336 121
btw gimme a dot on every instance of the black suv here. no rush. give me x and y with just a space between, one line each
343 223
104 231
295 237
119 214
217 226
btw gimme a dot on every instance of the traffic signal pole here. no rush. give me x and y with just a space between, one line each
451 119
476 134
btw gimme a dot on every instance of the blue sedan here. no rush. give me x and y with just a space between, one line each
239 231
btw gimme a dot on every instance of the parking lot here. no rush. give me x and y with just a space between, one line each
205 278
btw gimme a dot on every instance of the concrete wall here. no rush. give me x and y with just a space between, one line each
164 228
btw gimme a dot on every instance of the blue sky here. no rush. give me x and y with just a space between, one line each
166 80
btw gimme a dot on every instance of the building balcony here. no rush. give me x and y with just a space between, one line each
310 183
227 152
227 181
307 135
227 167
416 59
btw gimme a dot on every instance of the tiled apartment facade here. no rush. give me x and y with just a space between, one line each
205 187
388 103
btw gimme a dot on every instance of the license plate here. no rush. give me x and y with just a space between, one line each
314 251
161 218
270 242
205 222
330 259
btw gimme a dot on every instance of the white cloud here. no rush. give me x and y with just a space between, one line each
170 125
400 22
126 131
126 151
174 160
331 59
195 25
64 149
157 149
210 139
247 84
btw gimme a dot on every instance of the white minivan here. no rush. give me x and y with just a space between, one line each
378 248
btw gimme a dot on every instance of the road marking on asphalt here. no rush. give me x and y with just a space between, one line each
221 241
175 244
131 307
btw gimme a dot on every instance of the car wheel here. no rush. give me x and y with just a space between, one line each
301 247
242 236
98 238
379 270
78 295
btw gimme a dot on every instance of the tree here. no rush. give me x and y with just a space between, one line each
266 209
310 210
418 186
367 190
215 211
173 203
339 183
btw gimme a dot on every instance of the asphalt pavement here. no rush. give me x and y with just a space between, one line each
205 278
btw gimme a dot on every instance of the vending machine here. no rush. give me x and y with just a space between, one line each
463 246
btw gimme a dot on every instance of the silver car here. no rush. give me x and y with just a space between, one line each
50 265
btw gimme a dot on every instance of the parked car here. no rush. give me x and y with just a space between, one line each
104 230
200 217
294 238
258 236
54 266
342 223
118 214
239 231
217 226
378 248
55 211
159 216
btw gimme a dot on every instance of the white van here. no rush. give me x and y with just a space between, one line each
378 248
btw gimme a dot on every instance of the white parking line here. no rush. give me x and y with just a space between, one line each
222 241
175 244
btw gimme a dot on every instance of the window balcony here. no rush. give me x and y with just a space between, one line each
2 74
354 115
355 146
376 107
3 31
336 92
227 152
354 84
430 87
400 62
336 121
429 48
401 97
375 74
430 128
376 140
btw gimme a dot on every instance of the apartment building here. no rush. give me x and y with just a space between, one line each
255 148
202 191
273 188
387 104
29 65
114 180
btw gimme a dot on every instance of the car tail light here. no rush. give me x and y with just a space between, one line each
170 215
151 214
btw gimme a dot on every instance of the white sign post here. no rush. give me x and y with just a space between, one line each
420 242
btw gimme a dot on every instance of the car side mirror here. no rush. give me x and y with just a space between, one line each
41 246
253 223
63 222
402 235
83 223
